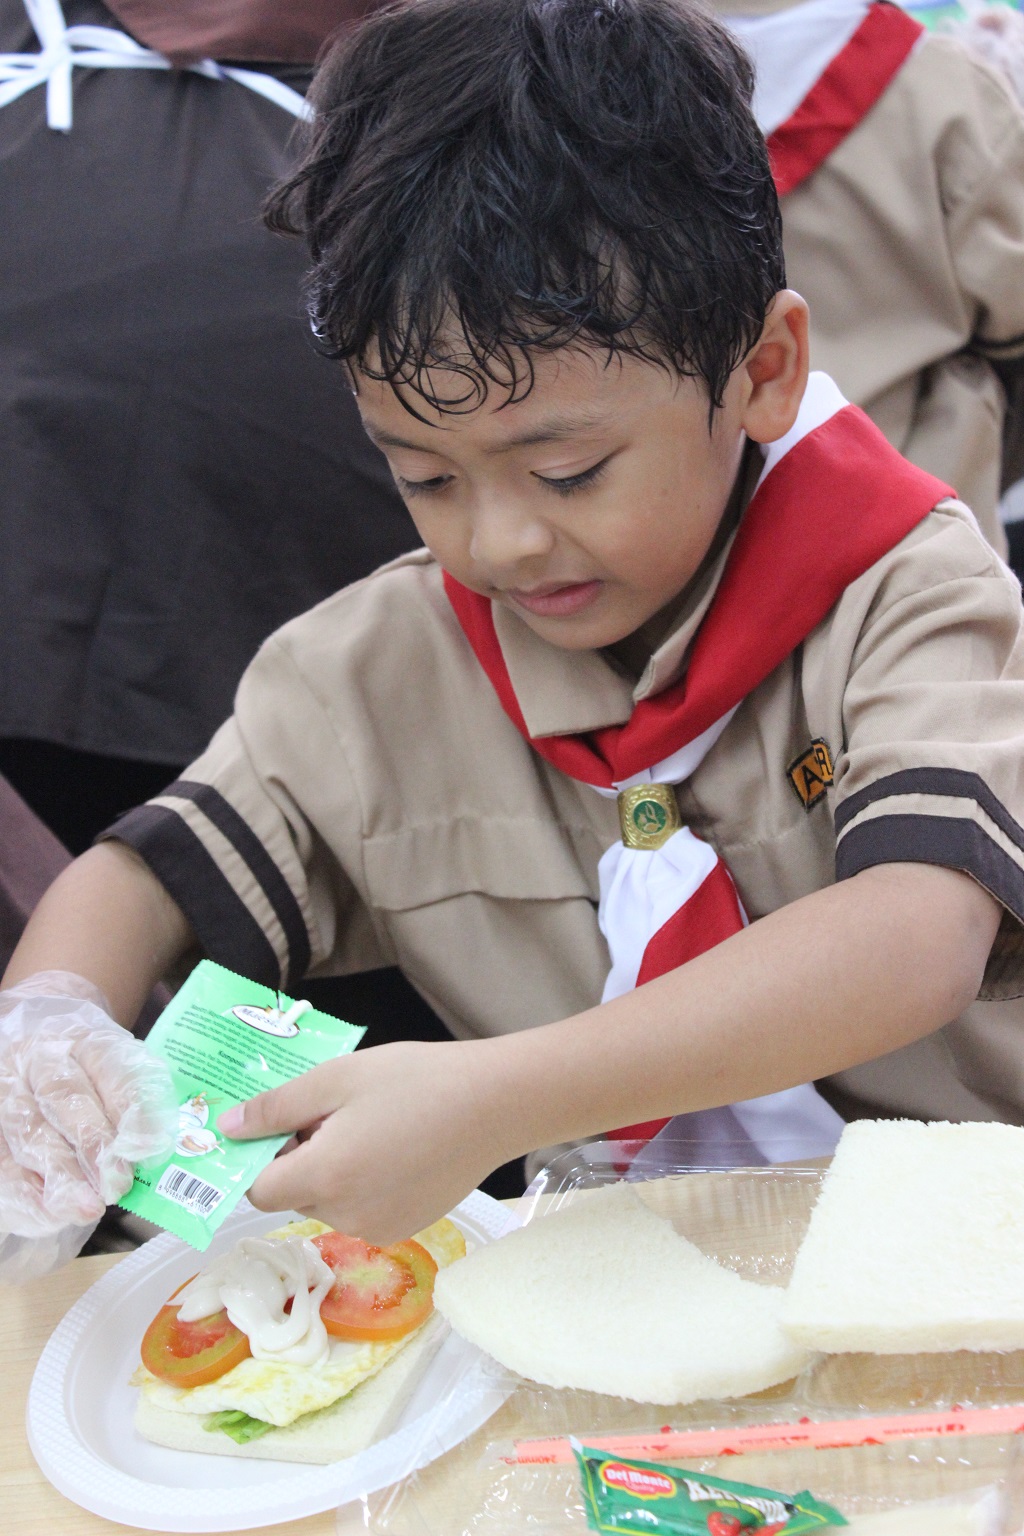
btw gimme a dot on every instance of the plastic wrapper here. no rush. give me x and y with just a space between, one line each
518 1473
881 1491
81 1103
29 1258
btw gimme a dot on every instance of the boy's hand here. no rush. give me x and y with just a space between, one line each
391 1138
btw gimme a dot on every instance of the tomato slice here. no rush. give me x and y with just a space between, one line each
380 1293
191 1354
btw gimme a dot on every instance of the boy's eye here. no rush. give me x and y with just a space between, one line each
569 483
422 487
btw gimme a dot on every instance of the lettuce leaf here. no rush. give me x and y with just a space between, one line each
240 1426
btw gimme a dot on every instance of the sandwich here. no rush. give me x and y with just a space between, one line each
605 1296
301 1346
916 1243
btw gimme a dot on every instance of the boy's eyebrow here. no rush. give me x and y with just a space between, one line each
552 430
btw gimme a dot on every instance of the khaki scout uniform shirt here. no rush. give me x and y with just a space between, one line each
370 804
908 245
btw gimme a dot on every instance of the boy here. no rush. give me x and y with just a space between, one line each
547 247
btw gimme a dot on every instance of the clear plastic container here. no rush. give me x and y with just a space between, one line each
752 1220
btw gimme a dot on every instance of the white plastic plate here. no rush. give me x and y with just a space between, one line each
81 1408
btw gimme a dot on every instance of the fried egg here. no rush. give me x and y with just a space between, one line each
279 1392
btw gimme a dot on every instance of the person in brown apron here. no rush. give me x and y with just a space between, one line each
182 471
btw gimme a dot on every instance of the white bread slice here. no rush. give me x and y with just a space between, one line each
975 1514
605 1296
344 1429
916 1243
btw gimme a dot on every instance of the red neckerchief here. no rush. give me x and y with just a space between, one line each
838 501
844 94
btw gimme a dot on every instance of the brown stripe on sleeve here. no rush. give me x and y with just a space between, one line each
955 783
1009 349
247 845
223 924
953 841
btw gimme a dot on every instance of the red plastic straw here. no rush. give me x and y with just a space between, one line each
802 1434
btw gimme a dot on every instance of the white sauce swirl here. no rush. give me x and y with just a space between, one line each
253 1283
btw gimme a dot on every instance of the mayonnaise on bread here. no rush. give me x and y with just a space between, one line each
254 1283
312 1412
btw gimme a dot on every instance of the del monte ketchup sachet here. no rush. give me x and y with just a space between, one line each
630 1496
225 1039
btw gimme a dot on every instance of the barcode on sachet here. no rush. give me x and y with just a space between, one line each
185 1189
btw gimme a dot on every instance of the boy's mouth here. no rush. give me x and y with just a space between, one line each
555 602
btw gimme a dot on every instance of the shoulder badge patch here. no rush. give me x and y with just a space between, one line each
811 773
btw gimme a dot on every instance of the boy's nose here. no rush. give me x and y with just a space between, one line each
505 536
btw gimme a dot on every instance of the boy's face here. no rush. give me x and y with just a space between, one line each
586 506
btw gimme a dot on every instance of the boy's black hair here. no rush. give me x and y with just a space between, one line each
511 175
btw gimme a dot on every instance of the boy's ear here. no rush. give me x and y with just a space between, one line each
776 370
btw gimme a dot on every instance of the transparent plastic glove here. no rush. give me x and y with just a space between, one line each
28 1258
81 1102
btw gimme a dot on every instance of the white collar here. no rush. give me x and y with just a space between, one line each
792 49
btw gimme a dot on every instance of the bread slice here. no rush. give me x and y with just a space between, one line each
605 1296
976 1514
344 1429
916 1243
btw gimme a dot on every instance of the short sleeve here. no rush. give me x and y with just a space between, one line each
932 764
235 843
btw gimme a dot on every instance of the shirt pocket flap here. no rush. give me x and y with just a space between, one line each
513 859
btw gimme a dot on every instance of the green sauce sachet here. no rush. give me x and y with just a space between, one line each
225 1040
631 1496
